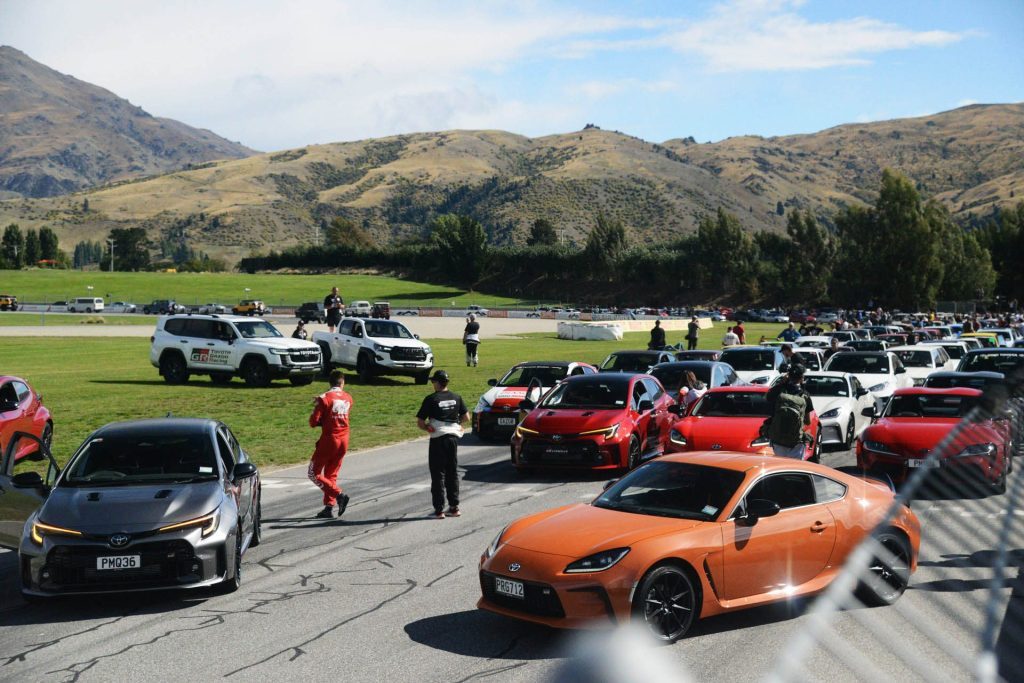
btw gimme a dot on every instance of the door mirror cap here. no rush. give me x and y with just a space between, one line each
27 480
677 409
900 371
868 412
608 484
862 392
646 405
527 404
243 470
492 382
758 508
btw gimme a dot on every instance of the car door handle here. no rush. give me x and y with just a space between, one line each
183 341
817 527
210 344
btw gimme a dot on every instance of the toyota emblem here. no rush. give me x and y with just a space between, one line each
514 567
556 437
716 446
119 540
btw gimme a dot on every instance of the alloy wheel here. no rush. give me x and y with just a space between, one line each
668 603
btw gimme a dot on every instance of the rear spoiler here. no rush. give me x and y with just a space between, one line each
869 475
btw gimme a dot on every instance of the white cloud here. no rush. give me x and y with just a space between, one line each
767 35
966 103
597 89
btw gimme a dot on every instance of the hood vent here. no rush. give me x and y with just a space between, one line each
587 414
162 493
93 496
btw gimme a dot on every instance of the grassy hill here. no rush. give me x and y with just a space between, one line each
59 134
971 158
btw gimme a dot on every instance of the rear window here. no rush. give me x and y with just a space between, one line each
826 386
522 375
671 377
849 362
915 359
630 362
1006 363
749 360
919 405
175 326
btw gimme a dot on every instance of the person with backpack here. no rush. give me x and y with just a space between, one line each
790 407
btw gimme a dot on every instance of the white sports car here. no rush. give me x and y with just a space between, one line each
880 371
839 400
921 361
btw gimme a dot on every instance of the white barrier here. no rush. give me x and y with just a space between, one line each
590 331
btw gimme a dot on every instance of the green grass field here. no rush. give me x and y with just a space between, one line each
8 319
42 286
87 382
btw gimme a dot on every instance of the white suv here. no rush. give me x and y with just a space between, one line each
225 346
376 347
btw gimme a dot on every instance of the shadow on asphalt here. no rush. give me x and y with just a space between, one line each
313 523
113 606
750 618
503 473
476 633
1010 642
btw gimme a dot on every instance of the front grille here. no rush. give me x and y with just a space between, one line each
538 598
304 356
405 353
162 563
582 451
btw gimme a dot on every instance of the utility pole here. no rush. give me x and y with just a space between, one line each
112 243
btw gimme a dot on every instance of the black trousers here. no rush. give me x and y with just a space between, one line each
691 343
443 456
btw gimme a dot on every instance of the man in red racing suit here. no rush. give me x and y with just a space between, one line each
330 414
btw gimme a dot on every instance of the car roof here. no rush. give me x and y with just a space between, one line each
11 378
161 425
988 374
210 316
743 388
546 363
688 364
739 462
643 352
1005 350
931 391
905 347
607 377
752 347
826 373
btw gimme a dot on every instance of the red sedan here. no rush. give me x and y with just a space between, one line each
609 421
22 410
917 420
730 419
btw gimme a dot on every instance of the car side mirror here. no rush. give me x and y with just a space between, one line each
416 336
862 392
608 484
677 409
758 508
243 470
27 480
900 371
492 382
646 405
868 412
527 404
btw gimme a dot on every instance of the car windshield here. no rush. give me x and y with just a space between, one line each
143 459
856 363
523 375
1006 363
733 404
672 489
384 328
257 329
826 386
920 405
935 381
866 345
590 392
671 376
916 359
629 362
749 360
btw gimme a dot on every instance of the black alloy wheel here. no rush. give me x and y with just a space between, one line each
633 459
667 602
47 436
255 373
848 444
816 455
422 377
257 522
232 584
364 368
999 485
173 368
301 380
888 573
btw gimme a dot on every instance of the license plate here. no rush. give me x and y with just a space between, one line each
513 589
506 421
119 562
922 463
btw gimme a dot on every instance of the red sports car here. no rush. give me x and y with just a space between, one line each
22 410
497 411
730 419
916 421
608 421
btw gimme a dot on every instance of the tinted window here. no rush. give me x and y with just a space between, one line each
749 360
522 375
385 328
789 490
672 489
202 329
852 362
916 359
827 490
630 362
671 376
981 382
1006 363
175 326
590 391
733 404
826 386
920 405
8 394
346 327
142 458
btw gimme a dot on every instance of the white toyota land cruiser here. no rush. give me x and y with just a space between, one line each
376 347
223 346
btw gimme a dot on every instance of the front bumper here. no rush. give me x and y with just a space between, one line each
495 424
899 469
832 433
591 453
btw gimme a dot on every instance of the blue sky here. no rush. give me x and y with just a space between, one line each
275 75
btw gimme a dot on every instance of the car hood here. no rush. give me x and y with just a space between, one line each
871 379
580 530
749 376
106 509
509 397
569 421
911 435
719 433
281 343
823 404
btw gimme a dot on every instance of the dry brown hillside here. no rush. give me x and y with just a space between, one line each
59 134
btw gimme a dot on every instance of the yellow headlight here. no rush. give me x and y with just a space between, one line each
40 529
520 431
207 522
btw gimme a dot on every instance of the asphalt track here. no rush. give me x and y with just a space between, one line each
387 594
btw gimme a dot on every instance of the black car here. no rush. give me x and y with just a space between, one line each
948 379
311 311
150 504
163 307
1008 361
698 354
634 361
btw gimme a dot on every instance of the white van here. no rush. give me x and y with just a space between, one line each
86 304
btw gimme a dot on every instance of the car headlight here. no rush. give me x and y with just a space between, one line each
523 431
759 380
976 450
482 406
919 382
597 562
879 387
675 437
759 442
609 432
279 352
381 347
878 447
208 523
426 349
829 414
496 543
39 529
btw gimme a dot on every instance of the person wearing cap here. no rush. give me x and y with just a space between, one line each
330 413
789 334
300 331
790 409
442 415
471 338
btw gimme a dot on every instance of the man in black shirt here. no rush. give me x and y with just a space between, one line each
657 336
471 338
441 415
333 308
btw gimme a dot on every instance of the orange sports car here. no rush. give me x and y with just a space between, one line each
693 535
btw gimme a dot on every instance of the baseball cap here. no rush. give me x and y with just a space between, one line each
439 376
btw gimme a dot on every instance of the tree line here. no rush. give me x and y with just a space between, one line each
19 249
903 251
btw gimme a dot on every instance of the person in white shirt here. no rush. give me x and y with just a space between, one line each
730 338
691 389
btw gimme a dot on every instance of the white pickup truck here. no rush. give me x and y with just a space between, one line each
375 347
